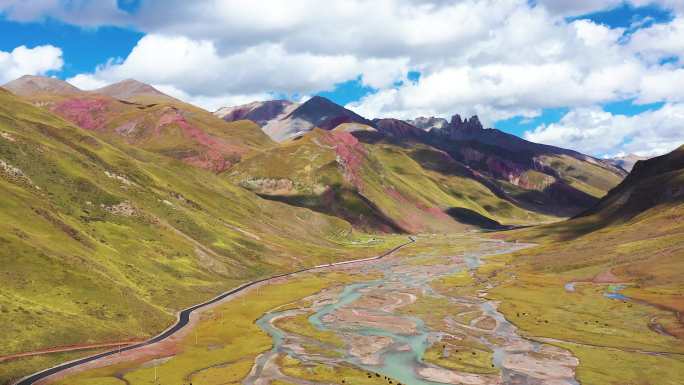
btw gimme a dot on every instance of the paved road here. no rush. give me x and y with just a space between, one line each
60 349
184 318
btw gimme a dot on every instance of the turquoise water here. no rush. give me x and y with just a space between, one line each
398 365
618 296
613 293
473 262
400 360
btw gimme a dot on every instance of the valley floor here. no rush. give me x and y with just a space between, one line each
441 310
445 309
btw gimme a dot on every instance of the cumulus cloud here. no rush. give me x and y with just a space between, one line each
583 7
90 13
578 7
213 103
525 65
496 58
594 131
196 68
659 41
29 61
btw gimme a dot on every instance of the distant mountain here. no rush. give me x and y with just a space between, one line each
132 90
653 182
102 228
398 128
29 85
539 177
258 112
142 116
381 186
282 120
626 162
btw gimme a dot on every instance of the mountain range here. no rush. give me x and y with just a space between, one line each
127 198
626 162
502 169
632 235
388 175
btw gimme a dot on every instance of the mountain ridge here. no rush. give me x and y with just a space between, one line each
151 120
132 90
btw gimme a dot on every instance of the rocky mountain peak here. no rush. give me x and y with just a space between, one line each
471 125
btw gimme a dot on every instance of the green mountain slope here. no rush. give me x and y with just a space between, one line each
380 186
607 284
105 241
147 119
635 231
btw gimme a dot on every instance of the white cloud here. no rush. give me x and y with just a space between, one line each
578 7
212 103
594 131
89 13
496 58
583 7
29 61
529 63
662 85
659 40
87 82
196 68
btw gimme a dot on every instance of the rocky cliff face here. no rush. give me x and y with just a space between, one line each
398 128
258 112
459 128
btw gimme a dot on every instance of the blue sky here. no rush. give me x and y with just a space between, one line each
575 72
83 48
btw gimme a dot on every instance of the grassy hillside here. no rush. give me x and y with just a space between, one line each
160 124
104 241
552 183
607 285
381 186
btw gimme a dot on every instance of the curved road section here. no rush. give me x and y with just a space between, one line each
184 318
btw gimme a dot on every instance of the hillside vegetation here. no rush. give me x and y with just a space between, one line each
104 241
607 284
382 186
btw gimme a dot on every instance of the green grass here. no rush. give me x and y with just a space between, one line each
614 367
460 357
582 175
632 239
329 374
223 343
389 187
300 324
76 272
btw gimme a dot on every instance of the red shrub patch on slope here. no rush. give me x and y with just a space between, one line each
217 153
413 220
350 154
88 113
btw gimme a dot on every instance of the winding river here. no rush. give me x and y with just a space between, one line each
383 340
